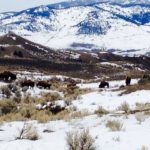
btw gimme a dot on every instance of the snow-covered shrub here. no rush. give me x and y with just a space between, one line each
6 91
28 132
144 147
13 87
114 125
125 107
101 111
18 93
116 139
80 141
25 88
140 117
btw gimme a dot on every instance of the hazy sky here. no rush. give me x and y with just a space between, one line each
16 5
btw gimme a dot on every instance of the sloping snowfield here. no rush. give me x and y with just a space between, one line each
133 136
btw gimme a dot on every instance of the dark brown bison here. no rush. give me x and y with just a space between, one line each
104 84
44 84
28 83
56 109
7 76
128 80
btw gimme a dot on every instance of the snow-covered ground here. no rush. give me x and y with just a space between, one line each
133 135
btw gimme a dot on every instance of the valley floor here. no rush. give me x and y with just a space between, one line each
134 134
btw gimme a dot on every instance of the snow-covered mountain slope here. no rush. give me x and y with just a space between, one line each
121 27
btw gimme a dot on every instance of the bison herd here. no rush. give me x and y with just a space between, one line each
104 84
39 84
8 76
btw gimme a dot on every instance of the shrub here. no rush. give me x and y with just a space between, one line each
114 125
12 87
140 117
18 93
17 99
101 111
7 106
80 141
26 112
28 132
144 147
25 88
125 107
28 99
6 91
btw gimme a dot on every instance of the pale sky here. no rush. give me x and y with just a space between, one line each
16 5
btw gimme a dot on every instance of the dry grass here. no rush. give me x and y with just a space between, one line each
7 106
101 111
136 87
77 114
51 96
42 116
11 117
73 94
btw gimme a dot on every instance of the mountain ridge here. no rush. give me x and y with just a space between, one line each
95 23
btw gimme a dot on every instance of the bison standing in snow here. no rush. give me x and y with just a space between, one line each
104 84
44 84
27 83
7 76
128 80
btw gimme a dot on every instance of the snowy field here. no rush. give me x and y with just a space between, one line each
132 136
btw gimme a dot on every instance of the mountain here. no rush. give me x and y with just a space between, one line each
118 26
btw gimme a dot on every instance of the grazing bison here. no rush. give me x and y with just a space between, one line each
56 109
44 84
27 83
104 84
128 80
7 76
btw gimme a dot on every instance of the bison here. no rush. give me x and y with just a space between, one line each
104 84
7 76
128 80
44 84
28 83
